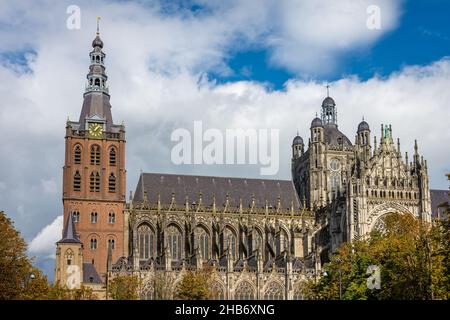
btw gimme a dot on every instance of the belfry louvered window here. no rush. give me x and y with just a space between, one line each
77 181
112 157
77 154
112 183
94 183
95 154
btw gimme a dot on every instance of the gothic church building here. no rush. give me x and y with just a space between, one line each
262 238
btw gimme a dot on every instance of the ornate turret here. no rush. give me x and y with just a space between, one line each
363 141
297 147
69 256
329 114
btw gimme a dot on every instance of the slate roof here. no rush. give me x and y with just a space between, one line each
190 185
96 103
438 197
90 274
333 135
316 122
69 231
328 101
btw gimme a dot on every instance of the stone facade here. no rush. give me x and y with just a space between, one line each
353 186
255 245
261 238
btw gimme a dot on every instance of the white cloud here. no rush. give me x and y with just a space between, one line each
44 243
312 35
156 65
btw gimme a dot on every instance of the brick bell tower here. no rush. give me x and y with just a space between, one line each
94 170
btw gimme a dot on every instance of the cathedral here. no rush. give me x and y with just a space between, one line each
261 238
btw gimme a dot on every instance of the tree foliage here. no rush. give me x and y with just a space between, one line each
19 279
162 286
194 285
58 292
124 287
412 257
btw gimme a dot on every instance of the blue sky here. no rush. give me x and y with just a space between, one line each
422 36
231 64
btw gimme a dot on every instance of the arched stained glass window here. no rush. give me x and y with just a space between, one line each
217 292
244 291
175 242
274 291
204 243
146 242
231 243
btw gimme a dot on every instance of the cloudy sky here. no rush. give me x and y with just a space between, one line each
231 64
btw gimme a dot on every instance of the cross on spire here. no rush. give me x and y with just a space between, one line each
98 25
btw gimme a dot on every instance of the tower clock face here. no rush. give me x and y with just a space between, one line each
95 130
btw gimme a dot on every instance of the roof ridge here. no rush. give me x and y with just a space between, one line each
210 176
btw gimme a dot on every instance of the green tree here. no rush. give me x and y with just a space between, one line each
18 278
411 256
194 285
162 286
124 287
58 292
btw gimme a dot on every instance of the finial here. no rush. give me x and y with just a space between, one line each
142 184
240 205
316 114
214 203
68 120
415 146
98 25
328 89
363 118
227 199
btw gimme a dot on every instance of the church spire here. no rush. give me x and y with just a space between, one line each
96 96
69 232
